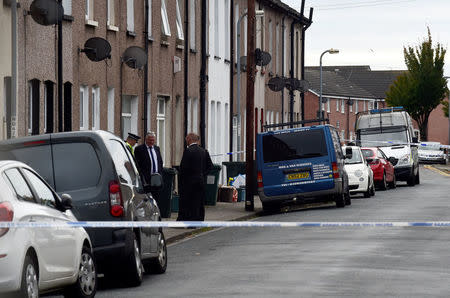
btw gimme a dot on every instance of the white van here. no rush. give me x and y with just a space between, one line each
391 129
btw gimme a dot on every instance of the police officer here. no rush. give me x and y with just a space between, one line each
131 141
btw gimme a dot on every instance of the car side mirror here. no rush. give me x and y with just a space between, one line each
66 201
156 183
348 153
393 160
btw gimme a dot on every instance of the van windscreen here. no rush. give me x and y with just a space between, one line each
294 145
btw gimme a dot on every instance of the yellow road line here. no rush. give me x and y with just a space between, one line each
436 170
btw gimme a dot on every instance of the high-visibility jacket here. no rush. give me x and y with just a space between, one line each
130 148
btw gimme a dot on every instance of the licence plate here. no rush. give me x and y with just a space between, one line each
301 175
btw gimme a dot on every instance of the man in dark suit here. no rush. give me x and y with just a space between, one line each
148 159
195 165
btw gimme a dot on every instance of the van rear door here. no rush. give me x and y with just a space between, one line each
295 161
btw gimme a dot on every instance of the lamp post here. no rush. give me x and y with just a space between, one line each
258 13
331 51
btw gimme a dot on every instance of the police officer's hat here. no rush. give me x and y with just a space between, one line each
133 136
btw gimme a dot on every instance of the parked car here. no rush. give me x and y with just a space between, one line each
100 174
34 260
360 175
300 165
431 152
382 167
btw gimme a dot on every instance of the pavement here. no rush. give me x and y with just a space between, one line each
236 212
220 212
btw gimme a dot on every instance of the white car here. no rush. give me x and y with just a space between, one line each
36 260
360 175
431 152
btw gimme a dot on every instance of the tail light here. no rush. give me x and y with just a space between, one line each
6 215
259 179
115 199
335 170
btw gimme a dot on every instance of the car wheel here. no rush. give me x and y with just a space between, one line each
135 267
340 200
372 190
368 191
159 264
383 185
417 178
393 184
30 278
411 179
348 199
86 284
271 207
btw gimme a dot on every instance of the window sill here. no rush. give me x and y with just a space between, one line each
131 33
193 51
150 38
91 23
165 43
217 58
180 47
112 28
68 18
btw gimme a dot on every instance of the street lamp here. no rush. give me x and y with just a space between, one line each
331 51
258 13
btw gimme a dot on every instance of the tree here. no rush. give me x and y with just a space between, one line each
445 108
423 87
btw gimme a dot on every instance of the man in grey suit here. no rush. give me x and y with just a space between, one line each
195 165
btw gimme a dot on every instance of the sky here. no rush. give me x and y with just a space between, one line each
373 32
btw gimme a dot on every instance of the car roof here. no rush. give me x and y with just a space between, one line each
8 163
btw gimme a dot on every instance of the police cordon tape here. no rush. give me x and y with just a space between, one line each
220 224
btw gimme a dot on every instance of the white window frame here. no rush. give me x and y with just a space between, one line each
111 109
180 33
192 23
328 105
111 21
343 106
227 29
216 29
355 102
270 66
89 10
67 6
149 27
149 111
165 26
277 48
337 105
236 18
84 107
95 108
130 15
161 124
351 106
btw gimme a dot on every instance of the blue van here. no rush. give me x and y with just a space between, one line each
299 165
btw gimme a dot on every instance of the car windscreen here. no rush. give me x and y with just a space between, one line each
356 157
383 137
368 153
294 145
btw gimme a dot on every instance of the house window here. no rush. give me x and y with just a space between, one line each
216 28
355 103
350 105
161 124
227 29
338 124
48 106
130 15
165 27
84 107
192 7
364 105
337 105
195 115
149 27
33 106
67 106
111 14
149 111
129 115
90 10
95 108
111 109
342 106
328 105
180 34
285 50
245 37
10 109
67 5
236 18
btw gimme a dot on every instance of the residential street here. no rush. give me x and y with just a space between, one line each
315 262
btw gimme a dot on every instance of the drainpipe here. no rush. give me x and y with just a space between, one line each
203 78
13 65
186 64
144 118
282 68
231 78
303 59
60 75
291 92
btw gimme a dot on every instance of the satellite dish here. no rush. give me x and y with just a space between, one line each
292 84
276 84
262 58
97 49
46 12
135 57
303 86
